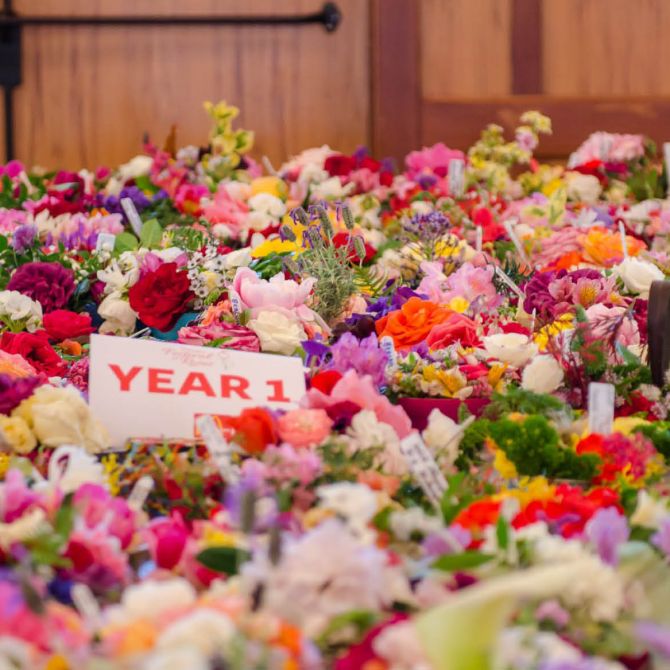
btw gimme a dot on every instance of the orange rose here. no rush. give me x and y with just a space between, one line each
255 429
603 247
411 324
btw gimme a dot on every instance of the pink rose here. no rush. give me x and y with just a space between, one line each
304 427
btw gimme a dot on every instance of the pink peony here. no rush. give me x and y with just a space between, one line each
226 210
361 391
304 427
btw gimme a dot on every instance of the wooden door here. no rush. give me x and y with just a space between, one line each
89 93
445 68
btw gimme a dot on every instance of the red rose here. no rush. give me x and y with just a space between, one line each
61 324
35 348
255 429
325 381
456 328
369 163
161 297
339 165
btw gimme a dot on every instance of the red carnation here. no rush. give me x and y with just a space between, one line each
35 348
161 297
61 324
339 165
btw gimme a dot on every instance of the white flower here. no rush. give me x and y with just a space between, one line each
134 168
177 659
407 521
237 259
26 527
237 190
442 435
70 467
324 573
511 348
258 221
649 511
151 599
313 156
400 646
267 204
542 375
355 502
583 187
120 317
15 654
370 433
638 275
277 332
331 189
16 307
206 630
121 273
168 255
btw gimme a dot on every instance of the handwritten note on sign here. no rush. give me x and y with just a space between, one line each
147 389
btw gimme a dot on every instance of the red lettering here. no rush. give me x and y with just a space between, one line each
277 391
125 377
157 377
234 384
196 381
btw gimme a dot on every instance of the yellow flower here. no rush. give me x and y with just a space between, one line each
542 337
16 433
210 279
552 186
57 662
458 304
495 375
276 246
215 537
4 464
451 381
504 466
627 424
272 185
529 489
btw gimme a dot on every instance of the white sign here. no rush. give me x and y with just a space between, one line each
456 177
423 467
388 347
601 408
153 390
509 227
218 448
132 215
105 242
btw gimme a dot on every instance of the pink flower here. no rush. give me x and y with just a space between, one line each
286 463
475 284
431 160
166 538
188 198
236 337
226 210
602 321
278 294
362 392
16 497
98 507
304 427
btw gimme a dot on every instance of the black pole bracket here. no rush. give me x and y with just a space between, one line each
11 24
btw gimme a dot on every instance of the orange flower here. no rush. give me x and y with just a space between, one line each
567 261
603 247
255 429
411 324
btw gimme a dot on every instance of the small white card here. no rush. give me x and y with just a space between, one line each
456 177
601 408
387 346
424 468
105 242
132 214
218 448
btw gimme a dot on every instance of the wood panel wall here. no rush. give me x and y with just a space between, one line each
89 93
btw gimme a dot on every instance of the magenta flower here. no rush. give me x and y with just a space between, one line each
14 391
50 284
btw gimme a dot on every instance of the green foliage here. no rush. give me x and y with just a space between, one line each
125 241
226 560
534 448
151 234
472 442
371 281
465 561
517 399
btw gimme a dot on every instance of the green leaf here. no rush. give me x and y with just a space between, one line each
4 244
151 234
502 532
64 521
125 242
464 561
226 560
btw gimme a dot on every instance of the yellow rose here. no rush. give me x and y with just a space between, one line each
16 433
272 185
60 416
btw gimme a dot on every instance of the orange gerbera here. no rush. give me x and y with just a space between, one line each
411 324
603 247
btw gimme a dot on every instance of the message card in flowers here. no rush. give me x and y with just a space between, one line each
160 389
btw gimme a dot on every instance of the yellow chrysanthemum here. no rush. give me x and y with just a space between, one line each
542 337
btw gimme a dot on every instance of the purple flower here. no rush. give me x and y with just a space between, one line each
365 357
23 238
429 226
14 391
315 351
113 203
661 539
436 544
538 296
50 284
606 530
656 638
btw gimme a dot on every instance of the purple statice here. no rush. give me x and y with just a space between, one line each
606 531
50 284
654 637
364 356
14 391
426 227
23 238
661 538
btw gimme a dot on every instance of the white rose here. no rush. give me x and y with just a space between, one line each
120 317
584 187
638 275
268 204
443 435
136 167
370 433
314 156
277 332
511 348
206 630
542 375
